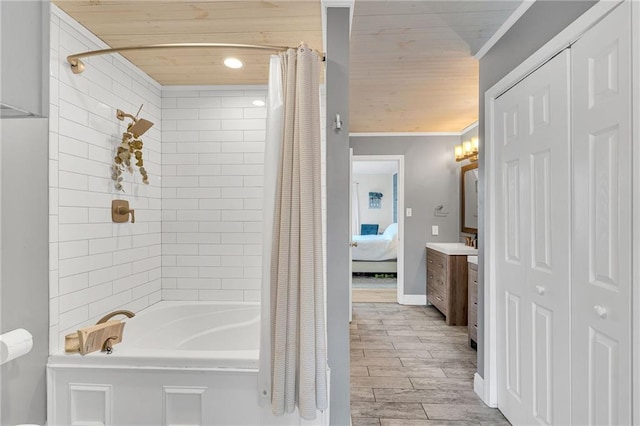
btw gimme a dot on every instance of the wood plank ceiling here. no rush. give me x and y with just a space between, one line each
142 22
411 63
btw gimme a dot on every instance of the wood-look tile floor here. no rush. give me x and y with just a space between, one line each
408 368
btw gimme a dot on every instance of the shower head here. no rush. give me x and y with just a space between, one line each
139 125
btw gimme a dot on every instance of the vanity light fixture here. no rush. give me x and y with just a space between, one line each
467 151
234 63
258 103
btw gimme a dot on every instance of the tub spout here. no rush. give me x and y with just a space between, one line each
107 317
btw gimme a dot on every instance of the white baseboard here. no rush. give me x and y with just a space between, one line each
478 386
414 299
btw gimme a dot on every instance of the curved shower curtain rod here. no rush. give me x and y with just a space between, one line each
77 66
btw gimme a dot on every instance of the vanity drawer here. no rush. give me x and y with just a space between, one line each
473 333
472 317
473 292
436 261
438 300
437 280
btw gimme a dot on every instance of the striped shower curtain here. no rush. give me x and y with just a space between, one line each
293 346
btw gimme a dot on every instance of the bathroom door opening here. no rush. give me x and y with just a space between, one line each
377 228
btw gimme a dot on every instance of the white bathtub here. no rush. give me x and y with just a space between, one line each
192 363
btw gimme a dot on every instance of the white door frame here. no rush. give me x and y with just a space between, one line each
487 387
400 264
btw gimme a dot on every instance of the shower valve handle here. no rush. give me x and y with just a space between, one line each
124 210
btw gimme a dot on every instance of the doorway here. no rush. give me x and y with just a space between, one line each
377 227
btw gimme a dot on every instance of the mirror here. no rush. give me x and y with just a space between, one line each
469 198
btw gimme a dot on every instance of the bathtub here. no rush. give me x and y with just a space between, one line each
180 363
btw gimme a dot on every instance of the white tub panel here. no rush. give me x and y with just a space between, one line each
163 397
193 363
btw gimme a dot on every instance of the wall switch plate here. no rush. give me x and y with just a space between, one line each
409 211
435 230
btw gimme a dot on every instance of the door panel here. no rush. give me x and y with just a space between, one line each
603 370
542 361
541 211
512 203
533 264
601 275
603 201
513 345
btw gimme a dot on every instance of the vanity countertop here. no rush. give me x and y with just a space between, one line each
472 259
453 248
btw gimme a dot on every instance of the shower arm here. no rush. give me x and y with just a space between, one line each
77 66
121 115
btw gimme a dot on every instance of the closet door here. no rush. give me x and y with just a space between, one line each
532 146
601 287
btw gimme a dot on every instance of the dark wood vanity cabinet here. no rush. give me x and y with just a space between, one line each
447 285
473 304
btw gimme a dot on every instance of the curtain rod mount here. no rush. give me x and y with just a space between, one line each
77 66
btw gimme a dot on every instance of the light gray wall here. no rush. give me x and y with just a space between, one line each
337 85
432 177
543 21
24 60
24 288
24 224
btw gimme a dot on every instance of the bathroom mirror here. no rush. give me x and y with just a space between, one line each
469 198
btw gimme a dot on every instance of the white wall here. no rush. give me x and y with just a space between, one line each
432 177
382 183
97 266
213 154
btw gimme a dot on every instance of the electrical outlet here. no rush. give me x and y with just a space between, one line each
409 211
435 230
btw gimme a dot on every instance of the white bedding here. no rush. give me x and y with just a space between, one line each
377 247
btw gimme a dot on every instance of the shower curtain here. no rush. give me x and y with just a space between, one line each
293 347
355 209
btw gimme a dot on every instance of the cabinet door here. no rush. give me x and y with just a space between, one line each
601 284
532 148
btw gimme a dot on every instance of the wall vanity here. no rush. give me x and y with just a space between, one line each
447 280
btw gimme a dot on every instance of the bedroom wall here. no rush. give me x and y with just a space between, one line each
382 183
431 178
543 21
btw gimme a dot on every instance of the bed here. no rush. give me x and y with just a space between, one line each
376 253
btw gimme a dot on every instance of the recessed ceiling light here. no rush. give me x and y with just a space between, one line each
258 103
233 63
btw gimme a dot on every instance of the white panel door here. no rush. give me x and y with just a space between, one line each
533 264
601 287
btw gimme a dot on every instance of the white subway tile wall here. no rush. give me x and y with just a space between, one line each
97 266
198 230
212 163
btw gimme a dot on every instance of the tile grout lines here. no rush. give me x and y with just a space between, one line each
411 359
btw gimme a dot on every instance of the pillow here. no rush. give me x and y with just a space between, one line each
391 231
369 229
